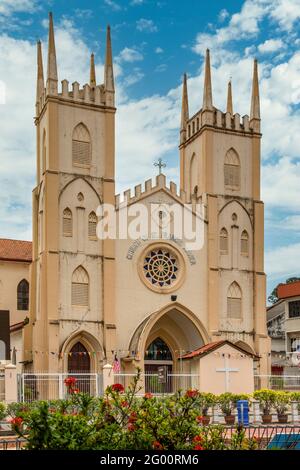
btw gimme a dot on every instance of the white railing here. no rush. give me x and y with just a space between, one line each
277 382
156 385
51 386
2 387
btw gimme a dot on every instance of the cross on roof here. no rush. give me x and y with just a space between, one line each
160 165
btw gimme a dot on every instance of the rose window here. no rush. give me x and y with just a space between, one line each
160 267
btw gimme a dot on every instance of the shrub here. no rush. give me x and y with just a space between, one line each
281 402
266 399
227 402
2 411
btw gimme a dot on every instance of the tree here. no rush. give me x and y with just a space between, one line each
273 297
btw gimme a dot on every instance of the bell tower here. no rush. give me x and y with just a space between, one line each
220 167
72 280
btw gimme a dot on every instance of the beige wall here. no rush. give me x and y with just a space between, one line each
11 273
214 382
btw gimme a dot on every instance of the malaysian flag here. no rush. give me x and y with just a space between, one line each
116 365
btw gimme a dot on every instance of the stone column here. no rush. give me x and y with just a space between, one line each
108 376
256 412
295 412
11 384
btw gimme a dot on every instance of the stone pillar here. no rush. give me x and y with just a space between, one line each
108 376
295 412
11 384
256 412
216 418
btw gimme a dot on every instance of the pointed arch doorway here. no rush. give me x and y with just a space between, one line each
158 363
79 364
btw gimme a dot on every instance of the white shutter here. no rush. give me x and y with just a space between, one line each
81 153
234 308
80 294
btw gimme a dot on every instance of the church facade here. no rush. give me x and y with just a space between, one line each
147 301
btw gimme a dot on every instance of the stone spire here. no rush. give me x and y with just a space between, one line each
40 73
255 106
52 67
92 72
229 107
207 92
109 72
184 109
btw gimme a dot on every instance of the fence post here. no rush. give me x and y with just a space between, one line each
108 376
295 412
216 414
60 387
256 412
11 383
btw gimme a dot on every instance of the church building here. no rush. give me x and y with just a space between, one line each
150 301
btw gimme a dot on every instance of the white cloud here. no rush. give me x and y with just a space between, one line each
283 261
146 25
113 5
161 68
130 55
281 187
223 15
136 2
159 50
270 45
134 77
8 7
286 12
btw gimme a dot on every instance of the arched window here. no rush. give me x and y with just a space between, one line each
80 287
245 243
223 241
81 146
67 223
158 350
23 295
234 301
232 170
92 226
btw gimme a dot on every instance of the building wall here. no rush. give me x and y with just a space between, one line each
11 273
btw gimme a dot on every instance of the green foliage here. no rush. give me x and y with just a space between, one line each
282 400
227 402
2 411
266 399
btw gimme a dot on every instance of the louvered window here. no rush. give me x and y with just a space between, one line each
234 301
81 146
23 295
92 226
224 241
245 243
232 170
80 288
67 223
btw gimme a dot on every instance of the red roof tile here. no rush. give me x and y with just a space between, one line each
288 290
207 348
15 250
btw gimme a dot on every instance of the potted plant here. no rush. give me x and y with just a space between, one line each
227 402
207 400
266 399
282 401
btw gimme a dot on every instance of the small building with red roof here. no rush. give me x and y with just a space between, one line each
222 366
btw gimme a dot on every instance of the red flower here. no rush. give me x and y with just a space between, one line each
148 396
157 445
191 393
131 427
70 381
75 390
198 447
124 404
197 439
118 388
16 422
199 419
132 417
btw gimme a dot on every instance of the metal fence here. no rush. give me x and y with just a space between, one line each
159 385
277 382
51 386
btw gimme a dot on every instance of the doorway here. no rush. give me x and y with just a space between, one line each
79 363
158 362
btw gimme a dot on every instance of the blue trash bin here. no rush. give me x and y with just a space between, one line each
243 412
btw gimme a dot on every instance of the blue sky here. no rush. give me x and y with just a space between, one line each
154 42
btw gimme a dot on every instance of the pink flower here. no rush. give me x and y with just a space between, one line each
191 393
148 396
